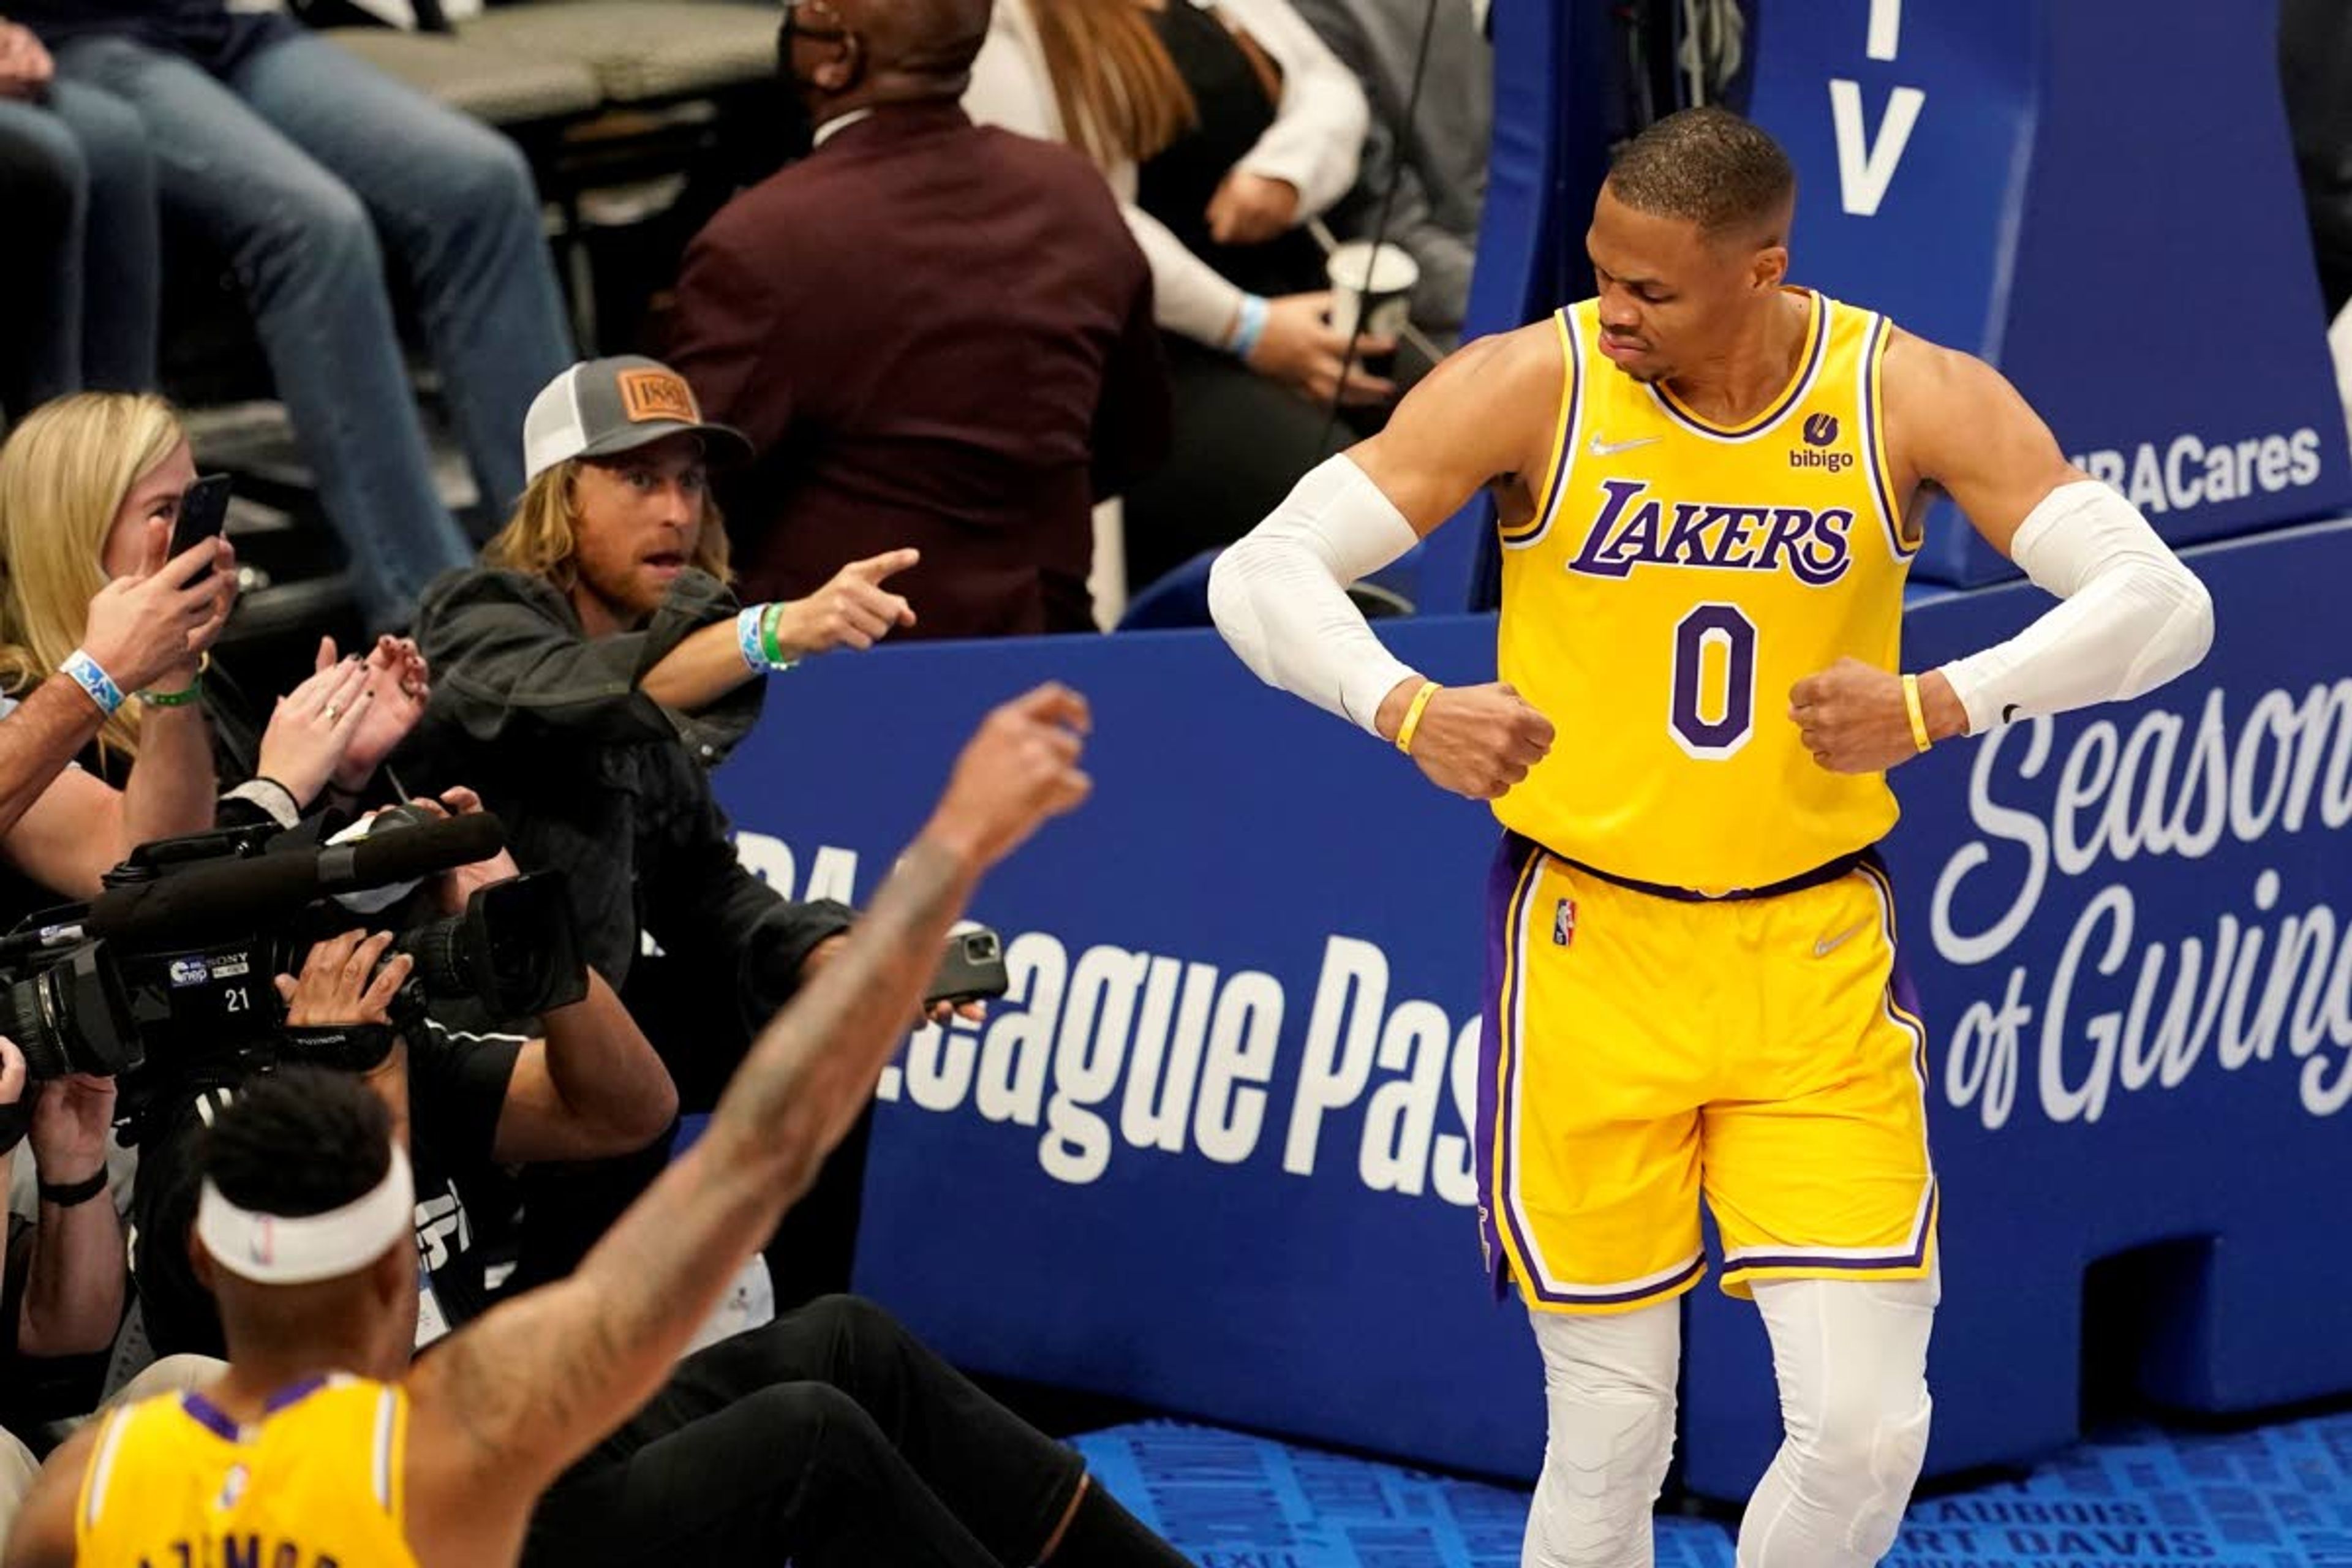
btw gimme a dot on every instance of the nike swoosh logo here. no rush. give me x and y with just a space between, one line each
1601 448
1830 944
2008 713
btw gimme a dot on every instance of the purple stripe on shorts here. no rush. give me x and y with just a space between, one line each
1913 1258
1904 997
1624 1298
1511 858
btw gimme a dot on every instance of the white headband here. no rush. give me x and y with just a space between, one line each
276 1249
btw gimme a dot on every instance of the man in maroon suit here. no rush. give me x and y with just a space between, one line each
934 335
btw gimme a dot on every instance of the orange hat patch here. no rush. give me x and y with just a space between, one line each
651 395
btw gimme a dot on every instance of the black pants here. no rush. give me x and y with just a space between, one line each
2314 54
689 1012
1240 443
830 1436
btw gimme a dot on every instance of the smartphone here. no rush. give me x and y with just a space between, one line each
204 512
973 970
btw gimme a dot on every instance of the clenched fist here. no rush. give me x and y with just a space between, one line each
1018 771
1852 718
1476 740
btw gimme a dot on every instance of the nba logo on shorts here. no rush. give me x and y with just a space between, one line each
1563 923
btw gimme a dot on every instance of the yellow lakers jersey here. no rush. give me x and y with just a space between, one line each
1675 579
315 1483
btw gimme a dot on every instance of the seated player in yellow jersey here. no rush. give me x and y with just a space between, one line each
320 1447
1708 487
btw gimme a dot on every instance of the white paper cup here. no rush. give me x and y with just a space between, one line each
1371 286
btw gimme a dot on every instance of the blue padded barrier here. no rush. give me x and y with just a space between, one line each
1212 1153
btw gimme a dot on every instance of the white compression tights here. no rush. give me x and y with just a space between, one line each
1609 1398
1851 1361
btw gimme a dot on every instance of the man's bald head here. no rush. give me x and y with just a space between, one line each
912 44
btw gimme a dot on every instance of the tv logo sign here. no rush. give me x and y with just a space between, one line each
1867 163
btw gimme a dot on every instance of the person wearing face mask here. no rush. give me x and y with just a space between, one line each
932 334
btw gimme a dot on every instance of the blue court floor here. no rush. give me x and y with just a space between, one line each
2280 1497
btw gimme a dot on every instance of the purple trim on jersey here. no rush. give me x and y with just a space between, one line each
1795 395
211 1418
1549 503
1568 430
220 1424
1872 438
293 1393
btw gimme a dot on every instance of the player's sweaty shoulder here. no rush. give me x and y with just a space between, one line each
1491 405
1934 396
1926 383
1955 422
1522 366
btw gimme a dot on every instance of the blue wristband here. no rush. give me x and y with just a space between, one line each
747 638
84 672
1249 328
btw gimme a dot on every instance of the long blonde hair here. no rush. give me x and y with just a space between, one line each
542 537
63 476
1120 94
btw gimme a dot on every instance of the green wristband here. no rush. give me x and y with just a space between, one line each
180 698
774 651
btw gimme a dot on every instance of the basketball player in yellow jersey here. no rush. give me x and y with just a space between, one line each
1708 484
321 1446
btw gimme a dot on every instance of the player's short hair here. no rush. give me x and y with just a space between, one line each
297 1142
1710 167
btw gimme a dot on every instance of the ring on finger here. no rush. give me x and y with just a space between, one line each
333 709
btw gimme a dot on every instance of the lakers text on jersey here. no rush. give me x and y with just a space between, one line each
1733 1029
1676 579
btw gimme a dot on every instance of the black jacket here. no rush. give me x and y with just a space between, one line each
594 777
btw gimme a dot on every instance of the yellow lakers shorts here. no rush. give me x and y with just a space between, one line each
1642 1053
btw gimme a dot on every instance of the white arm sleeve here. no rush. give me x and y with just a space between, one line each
2133 617
1280 595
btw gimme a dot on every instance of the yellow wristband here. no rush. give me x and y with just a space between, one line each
1918 715
1412 716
